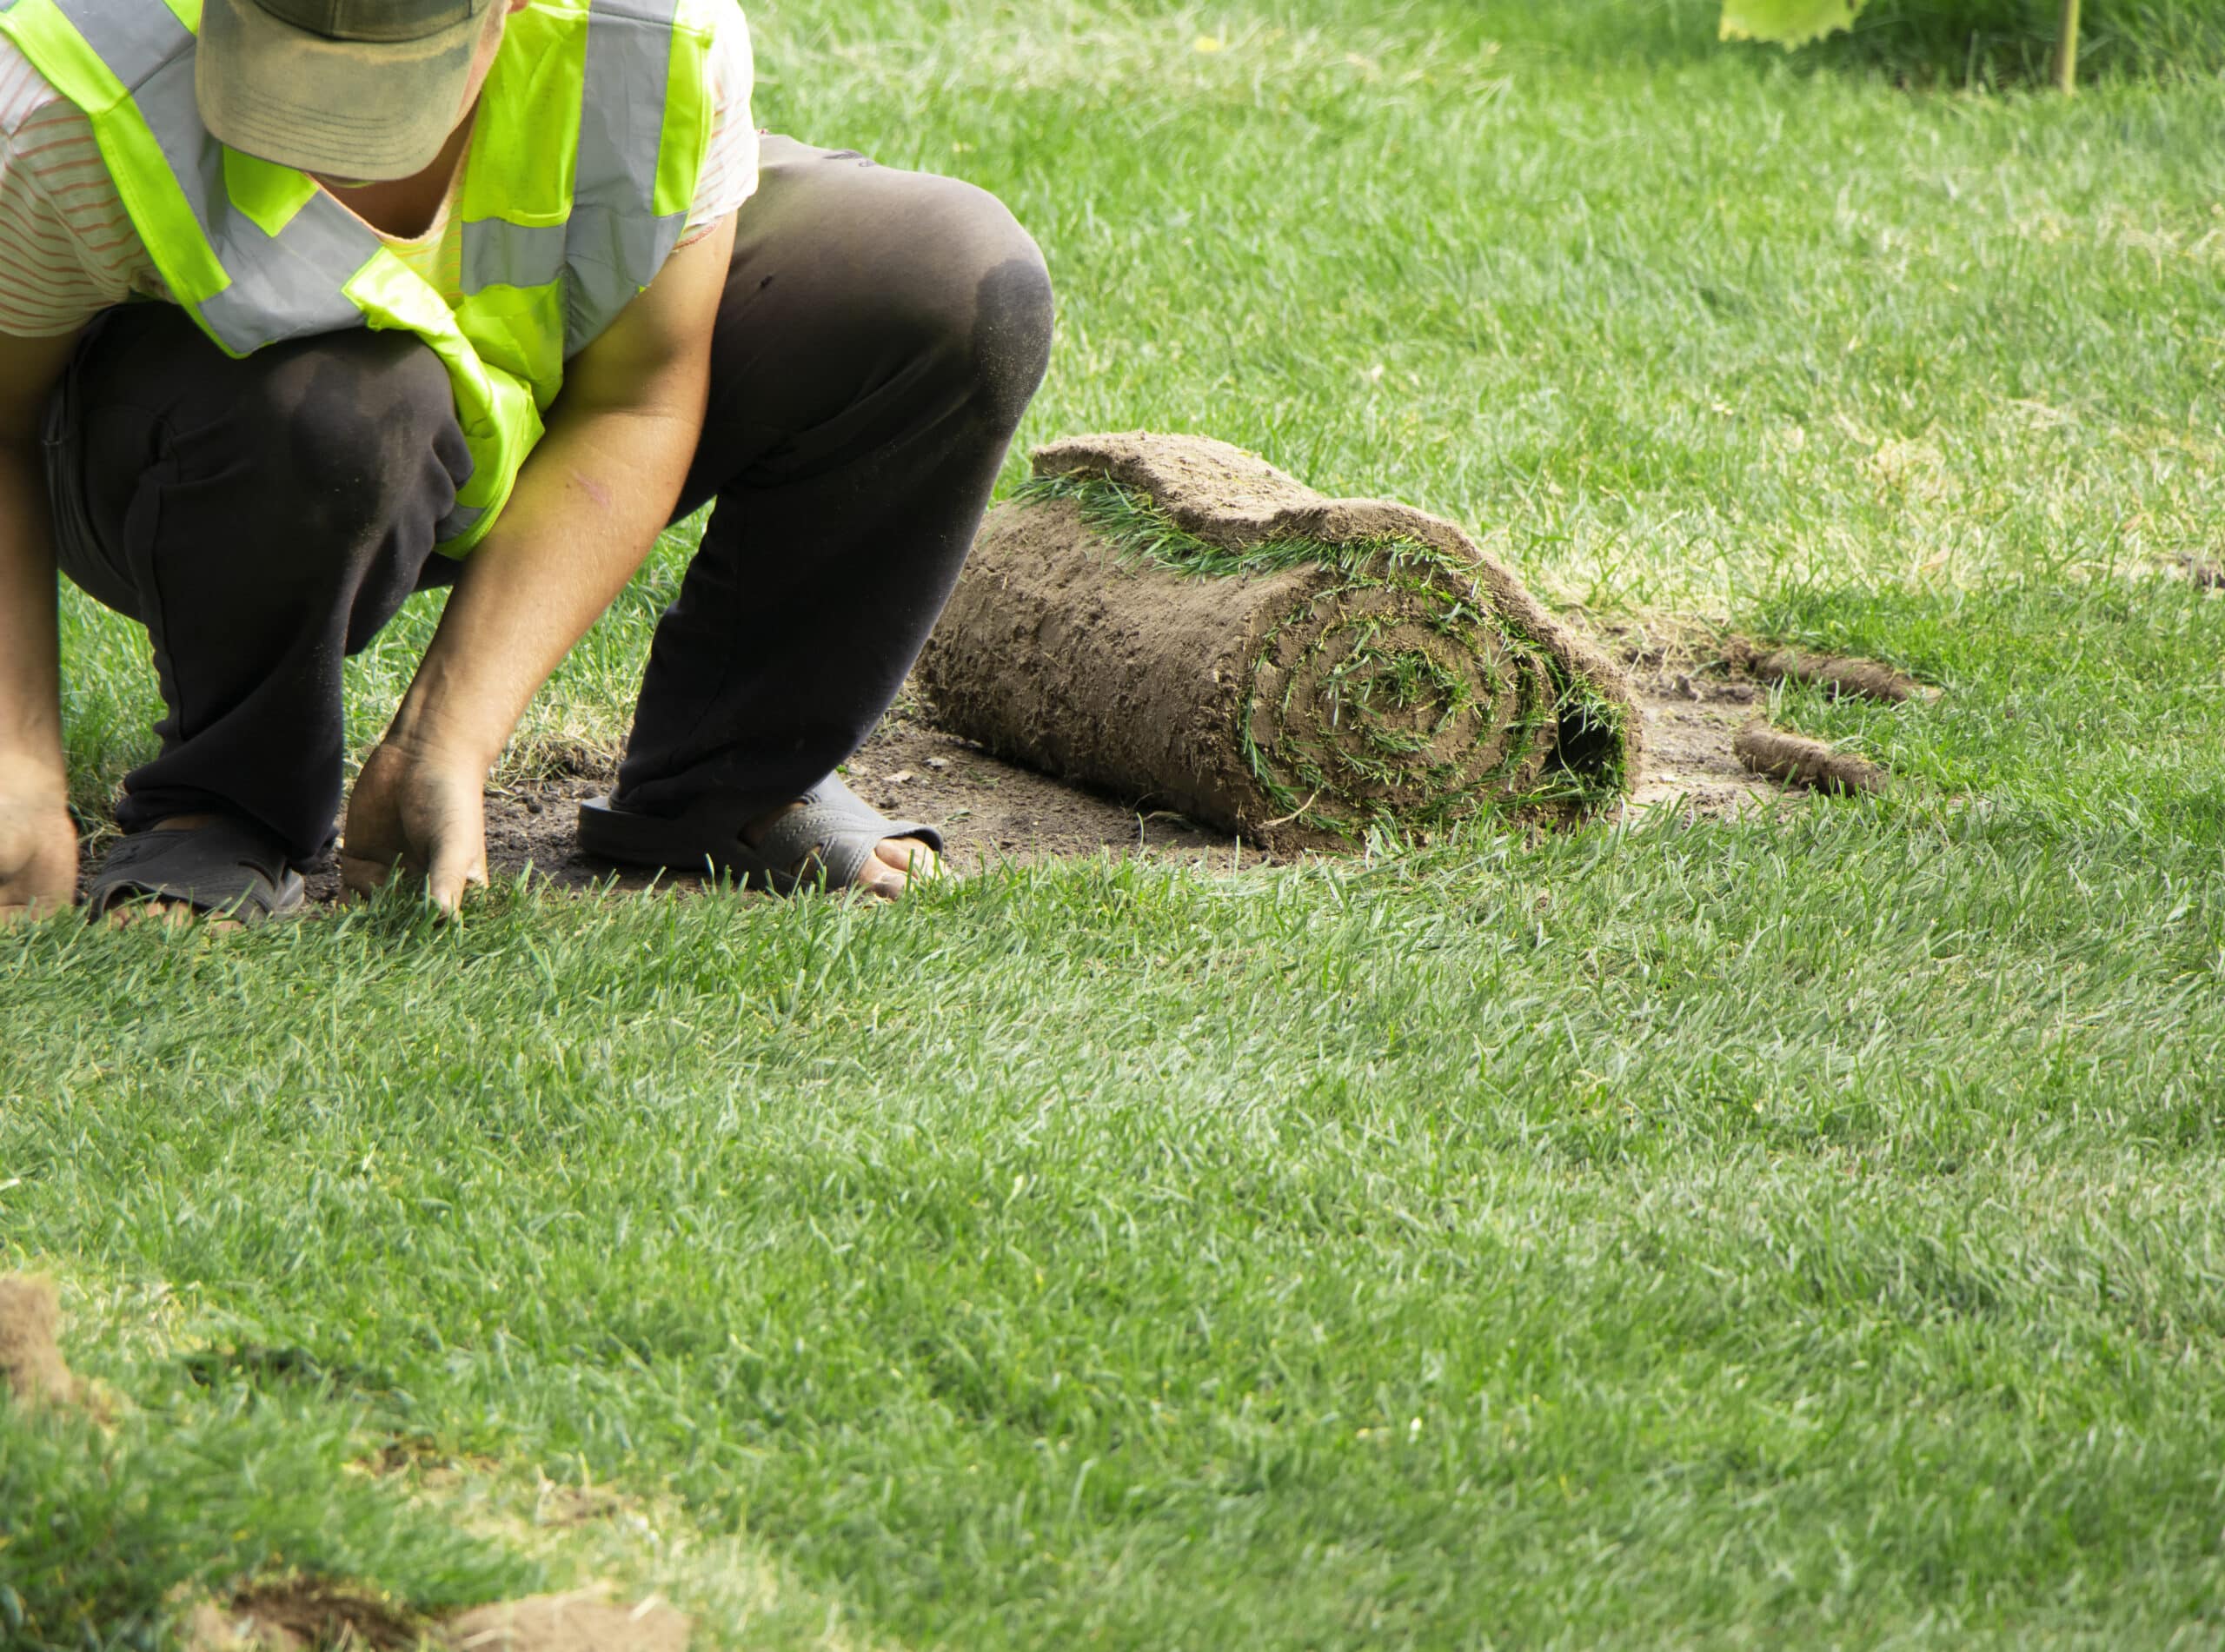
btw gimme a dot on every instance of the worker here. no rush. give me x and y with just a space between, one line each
307 305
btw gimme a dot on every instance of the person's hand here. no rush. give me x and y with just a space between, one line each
420 810
39 846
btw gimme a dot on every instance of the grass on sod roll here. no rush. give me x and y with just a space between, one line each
1787 1231
1574 713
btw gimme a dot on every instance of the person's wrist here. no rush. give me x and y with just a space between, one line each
447 744
35 776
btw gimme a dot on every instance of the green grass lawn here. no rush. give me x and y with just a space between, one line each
1800 1231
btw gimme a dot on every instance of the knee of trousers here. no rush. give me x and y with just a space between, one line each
981 294
349 437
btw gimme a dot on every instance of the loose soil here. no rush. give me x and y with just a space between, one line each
566 1623
1691 717
991 812
31 1368
303 1613
1691 692
995 812
2206 574
322 1614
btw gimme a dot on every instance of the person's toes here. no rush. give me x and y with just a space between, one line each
169 914
907 855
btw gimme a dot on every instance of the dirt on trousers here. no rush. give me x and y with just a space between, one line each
1183 624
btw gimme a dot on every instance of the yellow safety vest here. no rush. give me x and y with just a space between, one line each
591 135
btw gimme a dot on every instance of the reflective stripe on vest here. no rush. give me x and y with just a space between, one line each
551 254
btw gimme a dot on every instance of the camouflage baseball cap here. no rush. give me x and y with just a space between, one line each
356 89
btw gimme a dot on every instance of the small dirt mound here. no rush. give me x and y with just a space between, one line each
302 1613
1796 760
31 1367
2206 574
539 760
1844 675
322 1614
566 1623
209 1628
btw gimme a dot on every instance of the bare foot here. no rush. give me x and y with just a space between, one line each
897 862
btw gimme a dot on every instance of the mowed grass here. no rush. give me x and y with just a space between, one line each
1806 1230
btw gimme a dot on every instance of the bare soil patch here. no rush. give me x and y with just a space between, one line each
325 1615
567 1623
303 1612
995 812
992 813
2205 573
31 1367
1692 690
1691 718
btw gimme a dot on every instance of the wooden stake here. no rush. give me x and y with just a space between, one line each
2066 49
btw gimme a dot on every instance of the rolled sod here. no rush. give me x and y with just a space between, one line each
1173 619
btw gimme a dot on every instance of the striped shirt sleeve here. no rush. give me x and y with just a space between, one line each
68 250
730 169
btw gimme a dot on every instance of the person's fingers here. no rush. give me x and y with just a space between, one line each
455 868
360 878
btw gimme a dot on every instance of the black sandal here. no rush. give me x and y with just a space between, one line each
827 842
227 868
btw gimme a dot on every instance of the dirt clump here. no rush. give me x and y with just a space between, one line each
31 1367
1796 760
209 1628
302 1614
323 1614
566 1623
2206 574
1845 675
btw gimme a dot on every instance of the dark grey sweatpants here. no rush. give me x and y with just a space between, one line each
881 333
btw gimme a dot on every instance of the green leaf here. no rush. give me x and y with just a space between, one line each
1789 23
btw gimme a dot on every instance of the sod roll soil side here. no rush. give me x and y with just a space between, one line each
1175 621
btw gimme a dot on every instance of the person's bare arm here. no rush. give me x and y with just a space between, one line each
38 843
589 506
